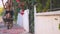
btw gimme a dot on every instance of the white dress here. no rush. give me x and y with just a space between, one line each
23 20
26 20
20 19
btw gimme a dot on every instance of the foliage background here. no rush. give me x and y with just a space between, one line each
1 10
42 6
29 5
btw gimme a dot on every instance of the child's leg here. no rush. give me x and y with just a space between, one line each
4 19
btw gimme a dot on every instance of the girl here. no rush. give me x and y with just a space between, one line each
20 14
8 10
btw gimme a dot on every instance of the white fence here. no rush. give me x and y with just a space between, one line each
47 23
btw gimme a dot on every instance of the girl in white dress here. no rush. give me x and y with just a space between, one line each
20 15
23 18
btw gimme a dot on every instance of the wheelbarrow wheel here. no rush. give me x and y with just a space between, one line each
8 25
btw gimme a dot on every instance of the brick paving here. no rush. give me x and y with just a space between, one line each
14 30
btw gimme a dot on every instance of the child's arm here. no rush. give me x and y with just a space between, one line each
3 4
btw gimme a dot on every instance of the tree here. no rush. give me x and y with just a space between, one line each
15 4
29 5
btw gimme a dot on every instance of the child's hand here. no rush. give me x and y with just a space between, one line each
8 15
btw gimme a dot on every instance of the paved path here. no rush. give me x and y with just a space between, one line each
16 29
